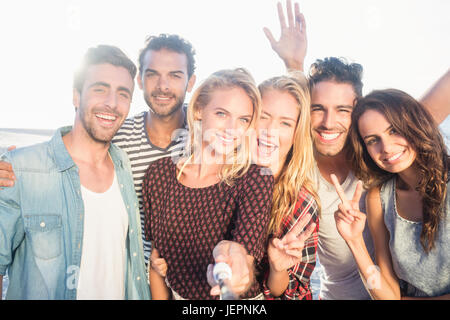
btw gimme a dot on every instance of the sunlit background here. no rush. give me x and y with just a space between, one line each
402 44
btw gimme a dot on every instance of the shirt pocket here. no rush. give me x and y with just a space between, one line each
44 232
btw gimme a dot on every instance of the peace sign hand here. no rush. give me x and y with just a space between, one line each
286 252
292 45
350 221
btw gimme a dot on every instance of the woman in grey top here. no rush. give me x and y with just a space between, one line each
400 155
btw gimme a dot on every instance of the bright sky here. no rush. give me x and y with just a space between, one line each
402 44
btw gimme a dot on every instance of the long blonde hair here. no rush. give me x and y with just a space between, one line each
226 79
298 169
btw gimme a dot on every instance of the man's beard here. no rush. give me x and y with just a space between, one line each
330 152
92 131
166 112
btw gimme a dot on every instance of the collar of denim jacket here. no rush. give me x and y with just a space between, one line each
64 161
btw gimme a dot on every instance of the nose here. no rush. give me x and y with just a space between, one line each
329 119
163 83
387 145
268 128
235 127
111 99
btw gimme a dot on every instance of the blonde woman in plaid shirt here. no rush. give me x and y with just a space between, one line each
285 146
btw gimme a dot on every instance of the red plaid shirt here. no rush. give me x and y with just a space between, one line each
299 274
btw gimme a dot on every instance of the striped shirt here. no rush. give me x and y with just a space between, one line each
132 137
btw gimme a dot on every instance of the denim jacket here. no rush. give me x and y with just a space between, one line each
41 224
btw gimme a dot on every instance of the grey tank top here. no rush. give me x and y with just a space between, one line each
420 274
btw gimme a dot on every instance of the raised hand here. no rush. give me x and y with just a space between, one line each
158 264
292 45
286 252
350 222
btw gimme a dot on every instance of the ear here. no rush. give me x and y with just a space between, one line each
139 81
198 114
76 99
191 83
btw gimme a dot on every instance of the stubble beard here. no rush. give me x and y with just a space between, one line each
167 112
92 131
329 151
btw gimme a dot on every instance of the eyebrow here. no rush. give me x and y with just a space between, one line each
107 85
373 135
287 118
100 83
338 106
154 71
282 118
226 111
345 106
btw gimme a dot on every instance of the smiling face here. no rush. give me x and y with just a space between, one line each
104 101
225 119
276 127
164 80
331 108
388 149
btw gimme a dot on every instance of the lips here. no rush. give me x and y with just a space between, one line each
394 157
266 148
225 139
106 119
162 98
328 137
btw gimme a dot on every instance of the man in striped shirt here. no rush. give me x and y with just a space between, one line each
166 73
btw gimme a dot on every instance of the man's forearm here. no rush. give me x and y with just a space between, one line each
437 99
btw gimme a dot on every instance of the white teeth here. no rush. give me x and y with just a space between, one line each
106 117
266 144
266 149
162 98
327 136
225 139
395 157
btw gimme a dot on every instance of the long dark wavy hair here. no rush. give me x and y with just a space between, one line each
412 121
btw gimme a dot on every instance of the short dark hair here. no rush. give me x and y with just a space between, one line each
102 54
338 70
170 42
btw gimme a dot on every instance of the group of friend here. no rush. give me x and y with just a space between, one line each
264 178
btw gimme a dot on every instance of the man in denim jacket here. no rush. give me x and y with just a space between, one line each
70 226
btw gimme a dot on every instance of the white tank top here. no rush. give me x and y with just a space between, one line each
102 269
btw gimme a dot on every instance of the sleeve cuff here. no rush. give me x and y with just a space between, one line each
3 270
